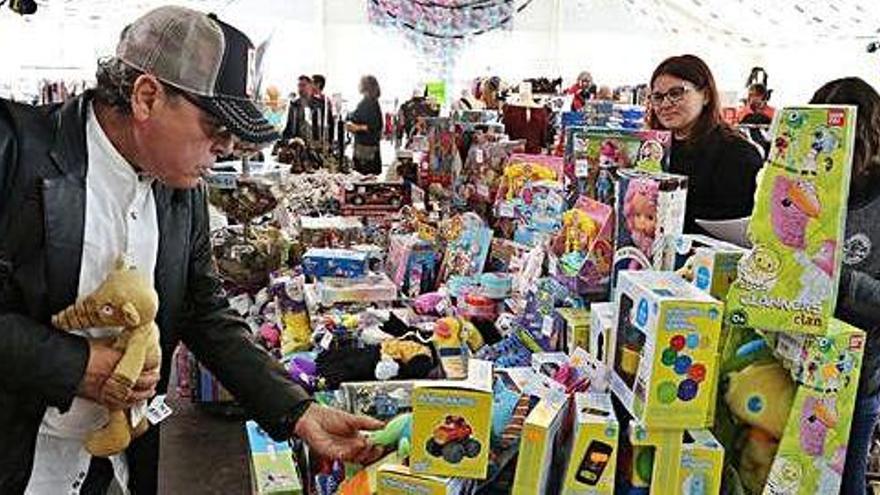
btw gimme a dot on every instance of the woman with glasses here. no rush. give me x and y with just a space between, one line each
720 163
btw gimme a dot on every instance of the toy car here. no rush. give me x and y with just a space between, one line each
390 195
452 441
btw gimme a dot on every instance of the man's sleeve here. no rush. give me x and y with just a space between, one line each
220 341
35 360
288 128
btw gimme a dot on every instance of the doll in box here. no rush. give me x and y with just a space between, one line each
640 214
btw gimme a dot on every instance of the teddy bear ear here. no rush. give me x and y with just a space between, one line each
131 315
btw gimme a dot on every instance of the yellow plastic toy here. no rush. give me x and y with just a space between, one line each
450 334
125 299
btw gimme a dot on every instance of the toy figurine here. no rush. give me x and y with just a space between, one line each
125 299
450 334
397 432
452 440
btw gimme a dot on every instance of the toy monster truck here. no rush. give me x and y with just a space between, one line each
452 440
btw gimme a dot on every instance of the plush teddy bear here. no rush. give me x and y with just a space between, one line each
125 299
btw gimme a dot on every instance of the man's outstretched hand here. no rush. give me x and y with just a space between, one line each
337 435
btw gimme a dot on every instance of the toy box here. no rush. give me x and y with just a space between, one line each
802 402
330 232
708 263
381 400
594 156
324 262
273 471
788 282
541 439
506 255
442 162
665 344
539 212
673 462
452 420
574 325
601 326
396 479
468 247
375 198
593 461
412 264
519 171
584 245
372 288
650 208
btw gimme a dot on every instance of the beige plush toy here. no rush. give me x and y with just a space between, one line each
125 299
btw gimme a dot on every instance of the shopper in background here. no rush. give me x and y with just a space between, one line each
366 125
721 164
325 106
756 109
303 114
489 93
114 173
859 291
583 89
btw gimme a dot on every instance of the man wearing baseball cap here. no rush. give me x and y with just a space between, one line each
115 173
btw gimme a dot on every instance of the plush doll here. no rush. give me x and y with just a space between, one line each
125 299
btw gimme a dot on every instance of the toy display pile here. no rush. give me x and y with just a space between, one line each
538 324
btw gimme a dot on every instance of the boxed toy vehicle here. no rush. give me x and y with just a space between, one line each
395 479
650 208
541 440
375 198
451 424
593 460
324 262
272 469
602 316
666 345
788 282
373 288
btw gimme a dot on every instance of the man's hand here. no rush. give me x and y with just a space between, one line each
102 362
337 435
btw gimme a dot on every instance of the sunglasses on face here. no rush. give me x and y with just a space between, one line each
213 128
672 95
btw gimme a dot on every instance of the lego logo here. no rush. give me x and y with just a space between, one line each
836 118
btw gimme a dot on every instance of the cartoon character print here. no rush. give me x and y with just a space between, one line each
651 155
818 416
785 477
817 283
759 269
794 203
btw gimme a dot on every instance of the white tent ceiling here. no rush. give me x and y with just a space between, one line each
800 42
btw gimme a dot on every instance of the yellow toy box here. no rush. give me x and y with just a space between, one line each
452 420
601 326
710 264
593 460
574 325
395 479
666 344
673 462
540 440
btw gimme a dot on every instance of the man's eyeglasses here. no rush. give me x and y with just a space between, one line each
673 95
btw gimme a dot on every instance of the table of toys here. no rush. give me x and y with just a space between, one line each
538 324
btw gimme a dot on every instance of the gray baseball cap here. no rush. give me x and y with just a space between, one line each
204 57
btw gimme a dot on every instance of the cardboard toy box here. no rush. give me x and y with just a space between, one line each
788 281
673 462
452 420
650 208
329 232
273 471
602 316
710 264
412 264
395 479
326 262
372 288
593 460
666 345
375 198
541 440
584 245
574 325
381 400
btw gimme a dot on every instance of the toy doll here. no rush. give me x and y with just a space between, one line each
640 212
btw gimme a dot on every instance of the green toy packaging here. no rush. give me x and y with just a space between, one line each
593 460
601 325
788 281
540 441
272 469
395 479
666 344
452 420
574 325
708 263
702 462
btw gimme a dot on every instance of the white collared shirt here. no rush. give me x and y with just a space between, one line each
120 221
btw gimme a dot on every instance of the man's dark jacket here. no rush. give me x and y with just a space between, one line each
42 213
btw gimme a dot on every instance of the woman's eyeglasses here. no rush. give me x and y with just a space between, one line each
673 95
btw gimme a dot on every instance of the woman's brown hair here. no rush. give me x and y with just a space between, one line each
692 69
370 87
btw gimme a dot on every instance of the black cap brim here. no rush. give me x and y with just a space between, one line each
241 117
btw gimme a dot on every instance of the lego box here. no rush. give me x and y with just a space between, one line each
452 420
666 345
593 460
788 282
272 469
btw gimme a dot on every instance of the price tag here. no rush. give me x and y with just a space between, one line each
547 327
158 410
326 340
581 168
553 264
482 190
478 155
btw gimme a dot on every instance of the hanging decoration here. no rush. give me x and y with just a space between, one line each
439 29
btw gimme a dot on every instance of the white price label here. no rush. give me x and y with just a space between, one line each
326 340
553 264
478 155
581 168
505 210
158 410
547 327
442 306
